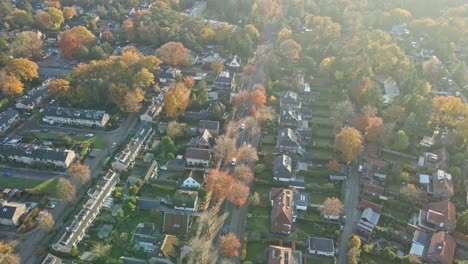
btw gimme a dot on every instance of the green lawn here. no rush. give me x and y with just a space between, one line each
49 186
270 140
318 198
320 260
256 252
97 141
374 259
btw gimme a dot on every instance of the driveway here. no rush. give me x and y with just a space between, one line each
352 214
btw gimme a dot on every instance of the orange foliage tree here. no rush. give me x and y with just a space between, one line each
374 130
174 53
58 87
176 99
69 12
239 194
217 66
23 69
70 41
219 183
10 85
333 165
229 245
349 143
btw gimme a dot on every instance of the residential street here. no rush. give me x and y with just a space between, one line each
352 214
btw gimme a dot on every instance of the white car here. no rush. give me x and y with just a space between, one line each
90 135
242 127
50 205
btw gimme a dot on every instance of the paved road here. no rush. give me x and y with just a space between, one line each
352 214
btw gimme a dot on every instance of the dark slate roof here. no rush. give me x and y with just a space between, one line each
33 151
7 115
208 124
147 203
289 98
282 167
224 78
33 96
286 137
176 223
7 212
301 198
75 113
321 244
201 154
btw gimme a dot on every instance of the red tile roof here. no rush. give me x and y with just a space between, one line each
282 211
373 189
442 248
367 204
377 163
280 255
446 208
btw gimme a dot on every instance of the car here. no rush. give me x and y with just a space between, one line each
163 167
52 101
242 127
360 168
50 205
89 135
7 173
233 161
114 144
41 110
5 140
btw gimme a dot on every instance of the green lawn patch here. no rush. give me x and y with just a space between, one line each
320 260
320 229
49 186
318 198
256 252
270 140
268 148
374 259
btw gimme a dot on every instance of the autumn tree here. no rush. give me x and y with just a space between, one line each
331 207
394 114
66 190
23 69
252 31
284 34
188 81
71 41
69 12
246 154
217 66
354 242
401 140
448 109
224 149
410 193
100 249
290 49
202 250
133 99
174 53
176 130
238 194
58 88
258 96
47 222
10 85
176 99
243 173
219 183
56 17
144 78
374 130
349 143
333 165
79 172
353 255
43 20
28 44
229 245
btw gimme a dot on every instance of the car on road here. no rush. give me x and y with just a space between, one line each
233 161
50 205
360 168
163 167
5 140
242 127
7 173
114 144
41 110
89 135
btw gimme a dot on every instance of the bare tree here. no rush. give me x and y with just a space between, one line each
202 251
243 174
79 172
251 125
331 206
247 153
47 222
224 149
101 249
66 190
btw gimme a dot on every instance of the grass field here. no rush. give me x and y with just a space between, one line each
256 251
97 141
49 186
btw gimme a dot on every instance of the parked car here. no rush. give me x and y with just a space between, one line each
50 205
89 135
242 127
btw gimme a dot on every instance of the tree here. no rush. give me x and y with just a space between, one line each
284 34
174 53
47 222
23 69
462 222
243 174
58 88
71 41
258 96
349 143
56 16
101 250
22 18
10 85
176 130
66 190
353 255
448 109
394 114
28 44
176 99
410 193
5 248
217 66
331 207
246 154
69 12
401 141
144 78
224 149
374 130
79 172
43 20
238 194
202 251
342 111
219 183
354 242
229 245
333 165
252 31
167 146
74 251
132 102
290 49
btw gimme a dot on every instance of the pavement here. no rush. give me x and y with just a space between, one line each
352 214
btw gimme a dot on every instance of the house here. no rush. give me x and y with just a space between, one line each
282 213
170 248
441 249
442 185
146 203
28 154
301 200
390 87
419 243
372 190
210 58
375 164
152 172
176 223
195 156
144 237
74 116
289 118
125 159
51 259
367 223
8 118
290 100
363 204
10 212
211 126
225 81
287 141
191 182
235 63
168 75
283 255
205 141
185 200
32 98
282 169
436 216
321 246
177 164
151 113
